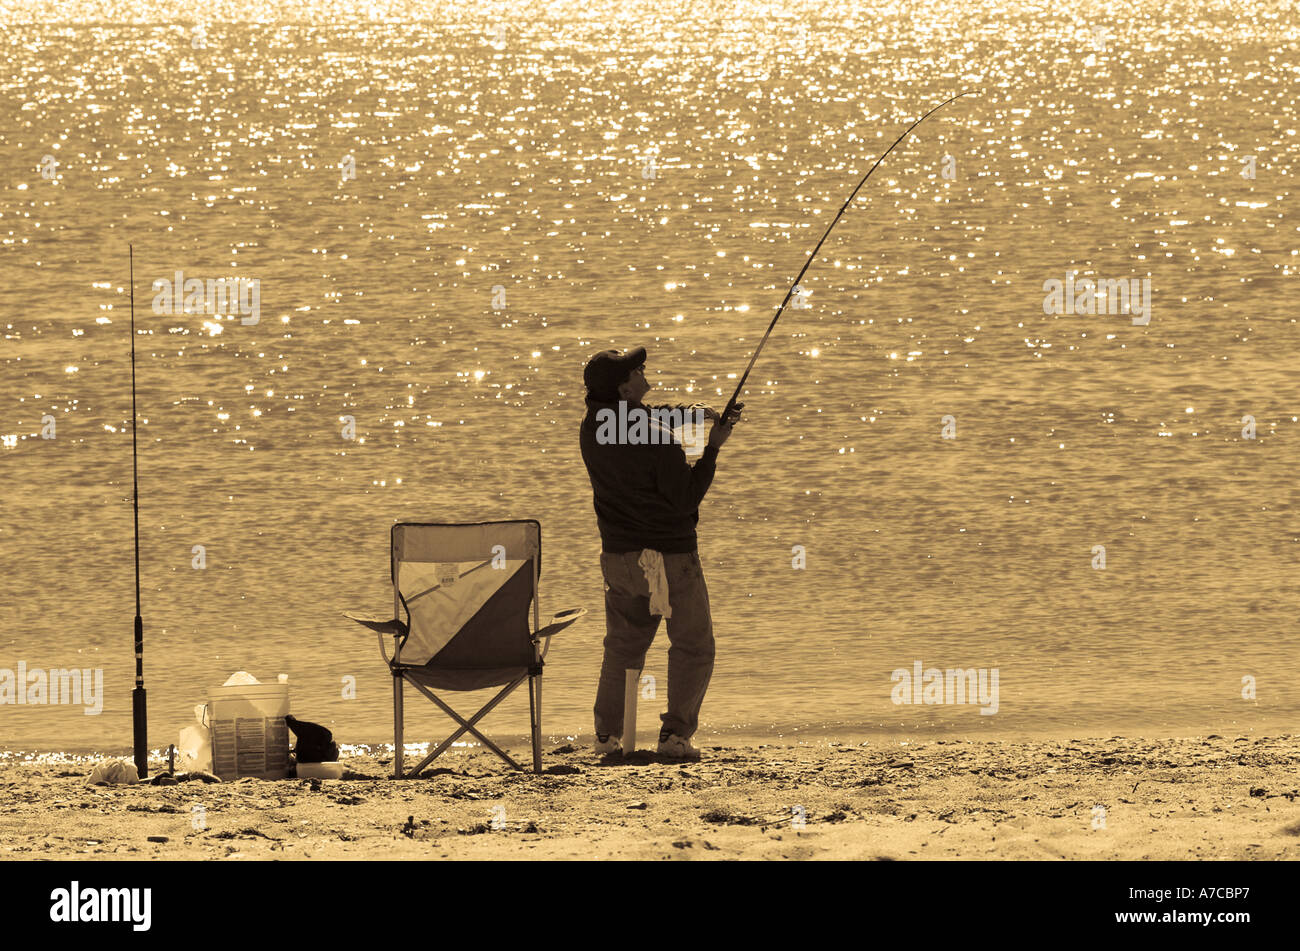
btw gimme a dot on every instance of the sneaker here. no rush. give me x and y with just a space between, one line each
607 743
677 747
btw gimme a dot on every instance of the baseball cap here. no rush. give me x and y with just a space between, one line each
608 369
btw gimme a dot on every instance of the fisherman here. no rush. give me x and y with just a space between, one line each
647 500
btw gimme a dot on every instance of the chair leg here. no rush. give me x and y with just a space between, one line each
535 719
467 725
397 724
442 747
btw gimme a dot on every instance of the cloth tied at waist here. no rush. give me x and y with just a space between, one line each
652 563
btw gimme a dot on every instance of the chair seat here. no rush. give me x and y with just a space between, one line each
463 678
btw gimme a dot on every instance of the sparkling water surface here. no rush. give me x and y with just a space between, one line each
634 174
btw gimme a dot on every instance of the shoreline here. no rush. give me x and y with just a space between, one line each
1210 797
819 736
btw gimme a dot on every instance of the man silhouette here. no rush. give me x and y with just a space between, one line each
647 499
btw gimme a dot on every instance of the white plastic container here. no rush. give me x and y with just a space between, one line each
249 735
320 770
194 751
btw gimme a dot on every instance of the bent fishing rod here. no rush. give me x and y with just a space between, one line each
731 403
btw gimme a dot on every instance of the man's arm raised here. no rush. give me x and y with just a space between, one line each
685 485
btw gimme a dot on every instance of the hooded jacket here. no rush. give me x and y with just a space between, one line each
645 495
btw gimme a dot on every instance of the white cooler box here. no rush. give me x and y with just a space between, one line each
249 735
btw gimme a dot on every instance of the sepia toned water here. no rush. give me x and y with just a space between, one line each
633 174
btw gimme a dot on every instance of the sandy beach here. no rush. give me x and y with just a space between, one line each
1212 797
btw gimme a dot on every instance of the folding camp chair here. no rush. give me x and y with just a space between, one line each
465 590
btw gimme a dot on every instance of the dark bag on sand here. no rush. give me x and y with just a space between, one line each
315 743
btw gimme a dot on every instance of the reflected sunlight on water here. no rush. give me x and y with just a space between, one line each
621 174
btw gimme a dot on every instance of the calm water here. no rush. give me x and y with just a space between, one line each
516 152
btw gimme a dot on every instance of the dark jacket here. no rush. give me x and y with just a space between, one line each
646 496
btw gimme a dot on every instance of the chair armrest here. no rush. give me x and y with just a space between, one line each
559 622
378 624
